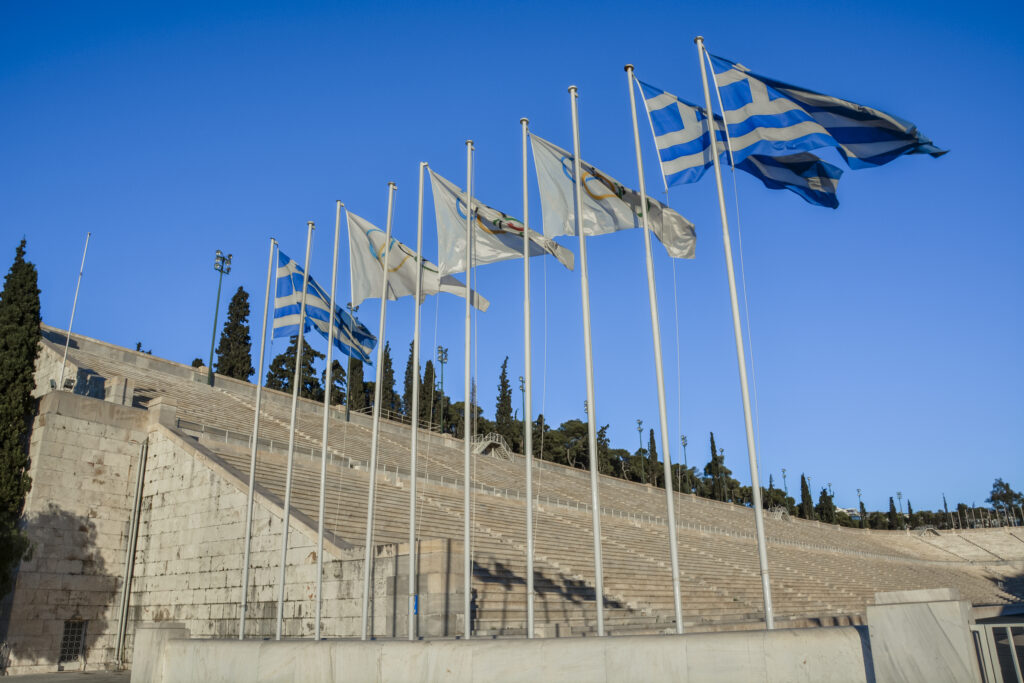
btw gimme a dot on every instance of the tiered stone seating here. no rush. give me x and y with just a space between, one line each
816 570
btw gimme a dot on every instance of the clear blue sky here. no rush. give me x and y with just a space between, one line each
886 334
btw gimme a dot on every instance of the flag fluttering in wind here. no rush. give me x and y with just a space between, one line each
367 253
608 205
684 149
770 117
498 236
350 336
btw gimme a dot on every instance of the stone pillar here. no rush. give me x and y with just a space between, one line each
163 410
922 635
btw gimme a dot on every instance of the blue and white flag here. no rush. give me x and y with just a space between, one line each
684 149
350 336
773 118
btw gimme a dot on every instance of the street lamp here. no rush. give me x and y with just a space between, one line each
860 505
640 438
222 264
527 424
784 487
686 465
442 358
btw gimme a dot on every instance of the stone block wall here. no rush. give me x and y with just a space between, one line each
83 454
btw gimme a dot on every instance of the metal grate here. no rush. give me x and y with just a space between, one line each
73 642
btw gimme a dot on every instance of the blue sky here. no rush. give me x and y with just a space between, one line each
886 334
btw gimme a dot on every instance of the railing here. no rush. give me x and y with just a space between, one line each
1000 650
501 446
400 418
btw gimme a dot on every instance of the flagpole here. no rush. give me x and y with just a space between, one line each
252 455
467 568
527 396
755 485
74 304
595 503
323 437
652 295
368 554
415 412
291 436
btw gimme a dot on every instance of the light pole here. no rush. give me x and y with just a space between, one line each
860 505
222 264
640 438
899 497
686 464
442 358
348 377
830 493
784 487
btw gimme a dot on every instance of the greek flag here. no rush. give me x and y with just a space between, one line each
350 336
770 117
684 149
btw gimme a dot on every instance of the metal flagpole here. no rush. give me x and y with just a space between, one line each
291 435
74 304
755 484
377 390
467 480
252 455
415 411
527 396
652 295
323 437
595 504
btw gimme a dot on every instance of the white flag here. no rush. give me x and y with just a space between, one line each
607 204
499 236
367 255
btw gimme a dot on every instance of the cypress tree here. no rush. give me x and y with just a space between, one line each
893 515
19 347
806 503
910 514
653 467
389 399
282 371
337 382
503 410
826 509
356 387
407 390
863 516
429 405
234 353
716 475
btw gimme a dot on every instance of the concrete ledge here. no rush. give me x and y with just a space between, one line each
820 655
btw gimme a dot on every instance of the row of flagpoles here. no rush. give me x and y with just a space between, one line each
774 126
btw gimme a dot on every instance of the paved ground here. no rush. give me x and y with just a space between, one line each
77 677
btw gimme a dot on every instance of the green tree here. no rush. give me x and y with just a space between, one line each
806 503
863 516
282 371
913 521
657 477
389 399
826 509
337 382
1003 497
198 362
410 377
716 475
19 347
503 419
429 404
234 353
894 518
357 387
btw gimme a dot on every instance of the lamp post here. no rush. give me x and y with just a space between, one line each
442 358
784 487
640 438
222 264
686 464
860 504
